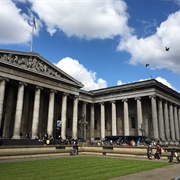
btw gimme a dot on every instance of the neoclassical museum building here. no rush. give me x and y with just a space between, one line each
37 97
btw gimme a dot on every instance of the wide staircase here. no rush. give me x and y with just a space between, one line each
39 149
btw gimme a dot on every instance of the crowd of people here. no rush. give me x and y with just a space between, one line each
119 142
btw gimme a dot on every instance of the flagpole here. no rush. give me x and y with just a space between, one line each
32 38
32 35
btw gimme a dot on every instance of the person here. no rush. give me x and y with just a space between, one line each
138 143
149 151
159 151
75 147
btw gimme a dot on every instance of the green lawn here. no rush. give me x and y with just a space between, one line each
75 167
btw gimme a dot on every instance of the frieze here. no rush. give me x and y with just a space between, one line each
31 62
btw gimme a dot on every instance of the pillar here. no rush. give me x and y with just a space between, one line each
36 110
154 118
126 118
51 113
172 130
8 116
92 123
19 110
114 126
166 120
102 121
2 94
63 115
161 121
84 119
75 117
139 115
176 123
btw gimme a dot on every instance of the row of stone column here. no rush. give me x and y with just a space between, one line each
168 120
126 117
36 111
165 122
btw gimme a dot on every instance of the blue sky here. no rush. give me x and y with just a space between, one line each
101 43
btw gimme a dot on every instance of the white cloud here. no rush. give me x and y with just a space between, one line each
165 82
79 72
84 19
160 79
119 82
151 49
12 32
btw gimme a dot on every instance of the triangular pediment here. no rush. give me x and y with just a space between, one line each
35 63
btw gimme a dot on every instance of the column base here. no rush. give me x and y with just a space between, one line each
16 137
177 143
172 142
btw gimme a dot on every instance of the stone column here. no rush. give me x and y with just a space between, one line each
139 115
2 94
19 109
51 113
166 118
161 121
176 123
84 119
102 121
92 123
36 110
126 118
114 126
8 116
75 117
154 118
64 115
172 130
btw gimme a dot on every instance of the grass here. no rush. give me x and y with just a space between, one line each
72 168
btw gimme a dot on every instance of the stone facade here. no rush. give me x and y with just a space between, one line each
34 94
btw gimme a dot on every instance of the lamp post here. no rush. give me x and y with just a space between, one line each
142 130
83 123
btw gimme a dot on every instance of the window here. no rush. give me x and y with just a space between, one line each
133 122
95 125
69 123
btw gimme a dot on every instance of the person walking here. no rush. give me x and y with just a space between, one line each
149 152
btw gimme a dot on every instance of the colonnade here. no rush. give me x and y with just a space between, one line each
165 115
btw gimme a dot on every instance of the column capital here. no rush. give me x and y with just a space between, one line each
53 91
114 102
101 103
137 98
65 94
76 97
125 100
3 78
153 96
85 103
39 87
22 83
160 99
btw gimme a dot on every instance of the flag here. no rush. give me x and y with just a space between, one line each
147 65
34 22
